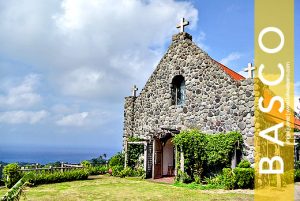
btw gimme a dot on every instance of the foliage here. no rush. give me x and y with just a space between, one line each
56 177
97 170
117 160
101 160
193 144
297 164
228 179
116 170
244 164
204 153
220 148
182 177
17 190
216 180
55 164
135 153
128 172
297 175
244 178
11 174
86 164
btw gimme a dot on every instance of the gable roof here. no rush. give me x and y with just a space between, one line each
234 75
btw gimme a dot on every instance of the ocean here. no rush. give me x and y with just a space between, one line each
44 155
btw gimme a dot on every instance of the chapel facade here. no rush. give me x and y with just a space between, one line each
188 89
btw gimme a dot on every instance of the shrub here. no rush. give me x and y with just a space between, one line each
117 160
86 164
17 190
183 177
140 172
297 175
116 170
135 153
228 179
205 153
11 174
244 164
244 177
126 172
216 180
297 165
57 177
97 170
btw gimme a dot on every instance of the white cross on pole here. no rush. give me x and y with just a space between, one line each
134 90
182 24
250 69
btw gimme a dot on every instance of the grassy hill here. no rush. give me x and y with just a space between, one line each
113 188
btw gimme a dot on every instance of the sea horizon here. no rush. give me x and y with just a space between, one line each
44 155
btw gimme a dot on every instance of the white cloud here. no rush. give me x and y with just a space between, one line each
20 116
231 57
22 95
77 119
92 49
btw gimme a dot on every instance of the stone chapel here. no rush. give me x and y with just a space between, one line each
188 89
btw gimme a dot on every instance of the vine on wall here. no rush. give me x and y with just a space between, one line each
135 153
204 153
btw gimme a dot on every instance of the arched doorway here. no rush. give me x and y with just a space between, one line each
168 158
163 158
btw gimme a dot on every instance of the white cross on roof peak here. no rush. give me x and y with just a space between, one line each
250 69
182 24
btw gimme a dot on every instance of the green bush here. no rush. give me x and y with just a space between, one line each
140 172
228 179
11 174
97 170
244 164
117 160
216 180
16 191
57 177
134 153
126 172
205 154
244 177
119 171
297 175
86 164
183 177
297 165
116 170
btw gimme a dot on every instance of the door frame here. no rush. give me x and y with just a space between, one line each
157 142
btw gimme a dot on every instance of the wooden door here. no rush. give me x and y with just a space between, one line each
158 160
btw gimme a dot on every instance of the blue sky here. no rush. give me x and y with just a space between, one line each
66 66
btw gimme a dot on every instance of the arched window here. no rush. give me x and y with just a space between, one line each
178 90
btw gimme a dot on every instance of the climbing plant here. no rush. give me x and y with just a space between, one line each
134 153
204 152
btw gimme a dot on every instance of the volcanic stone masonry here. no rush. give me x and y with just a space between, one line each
214 100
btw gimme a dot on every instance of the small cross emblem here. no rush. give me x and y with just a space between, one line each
182 24
134 90
250 69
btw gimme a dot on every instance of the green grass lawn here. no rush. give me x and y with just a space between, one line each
113 188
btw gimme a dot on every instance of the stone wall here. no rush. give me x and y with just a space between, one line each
215 102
